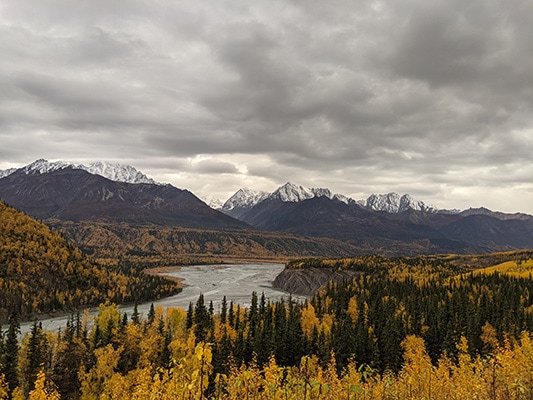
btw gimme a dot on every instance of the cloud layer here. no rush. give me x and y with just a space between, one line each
430 98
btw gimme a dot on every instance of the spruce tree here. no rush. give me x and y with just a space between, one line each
36 354
12 353
224 311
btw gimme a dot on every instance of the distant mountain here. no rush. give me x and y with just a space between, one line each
7 172
410 231
73 199
496 214
492 232
118 172
71 194
394 203
108 218
290 192
213 202
113 171
244 199
368 230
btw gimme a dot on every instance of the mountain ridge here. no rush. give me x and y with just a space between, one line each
391 202
77 195
113 171
407 233
387 224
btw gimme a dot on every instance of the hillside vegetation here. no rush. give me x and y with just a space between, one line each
109 241
40 272
404 328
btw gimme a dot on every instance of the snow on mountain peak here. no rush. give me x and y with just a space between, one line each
114 172
292 193
394 203
212 202
118 172
7 172
289 192
244 198
43 166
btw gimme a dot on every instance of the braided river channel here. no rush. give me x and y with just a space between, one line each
235 281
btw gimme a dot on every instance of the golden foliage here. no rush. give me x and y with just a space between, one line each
44 390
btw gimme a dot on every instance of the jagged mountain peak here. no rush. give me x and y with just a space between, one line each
118 172
394 203
212 202
289 192
112 171
42 166
244 198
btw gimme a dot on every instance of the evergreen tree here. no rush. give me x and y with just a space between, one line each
151 315
202 320
189 321
12 353
36 354
71 354
135 316
224 311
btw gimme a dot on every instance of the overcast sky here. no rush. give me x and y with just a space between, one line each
431 98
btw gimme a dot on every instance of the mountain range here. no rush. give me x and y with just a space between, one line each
106 217
245 199
315 219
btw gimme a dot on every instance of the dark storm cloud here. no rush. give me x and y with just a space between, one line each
427 97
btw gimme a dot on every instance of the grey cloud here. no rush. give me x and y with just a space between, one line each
214 167
414 94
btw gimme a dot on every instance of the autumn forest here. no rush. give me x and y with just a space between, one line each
428 327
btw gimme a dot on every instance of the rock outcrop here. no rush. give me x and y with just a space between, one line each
307 281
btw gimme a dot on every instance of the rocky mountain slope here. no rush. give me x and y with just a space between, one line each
408 232
70 194
108 218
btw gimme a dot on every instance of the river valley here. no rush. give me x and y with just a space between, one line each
235 281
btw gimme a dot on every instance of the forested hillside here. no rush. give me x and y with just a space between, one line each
109 241
407 328
40 272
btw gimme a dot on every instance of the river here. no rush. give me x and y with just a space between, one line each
235 281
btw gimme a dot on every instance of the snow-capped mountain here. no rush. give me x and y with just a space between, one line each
292 193
112 171
118 172
212 202
244 198
7 172
42 166
241 201
394 203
